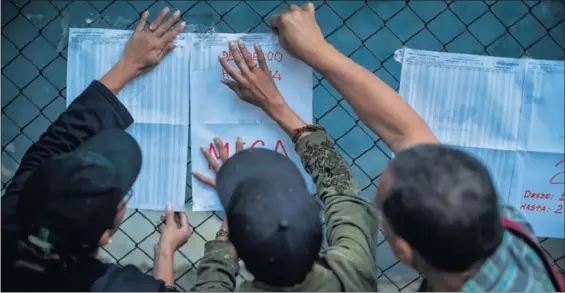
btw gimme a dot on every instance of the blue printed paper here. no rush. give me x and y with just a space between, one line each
217 112
158 102
507 112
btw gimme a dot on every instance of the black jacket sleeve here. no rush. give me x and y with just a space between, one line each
96 109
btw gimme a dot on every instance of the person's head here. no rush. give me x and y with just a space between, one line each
74 202
274 222
439 209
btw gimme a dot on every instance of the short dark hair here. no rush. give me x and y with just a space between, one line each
444 204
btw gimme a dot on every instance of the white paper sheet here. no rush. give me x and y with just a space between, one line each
217 112
508 113
159 103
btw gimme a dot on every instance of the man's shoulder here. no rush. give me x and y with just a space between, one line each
126 279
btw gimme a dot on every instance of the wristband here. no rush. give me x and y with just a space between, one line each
222 232
308 128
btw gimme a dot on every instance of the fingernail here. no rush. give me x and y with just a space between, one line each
220 57
216 139
240 42
146 13
169 207
166 9
230 44
109 241
150 28
177 13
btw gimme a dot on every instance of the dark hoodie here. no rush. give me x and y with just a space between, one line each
96 109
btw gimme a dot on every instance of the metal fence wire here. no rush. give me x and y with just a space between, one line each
34 80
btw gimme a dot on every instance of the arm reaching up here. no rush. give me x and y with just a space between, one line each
377 105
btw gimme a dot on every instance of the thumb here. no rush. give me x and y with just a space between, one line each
275 23
170 216
184 222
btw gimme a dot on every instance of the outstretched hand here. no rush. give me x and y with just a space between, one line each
147 47
213 163
254 82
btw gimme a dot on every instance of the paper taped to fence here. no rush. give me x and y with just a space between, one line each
217 112
508 113
158 102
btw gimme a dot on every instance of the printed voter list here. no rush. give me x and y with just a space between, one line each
507 112
158 102
218 112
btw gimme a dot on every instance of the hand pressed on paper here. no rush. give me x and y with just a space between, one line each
254 82
146 48
239 143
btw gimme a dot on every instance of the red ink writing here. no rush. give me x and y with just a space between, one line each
553 180
559 209
529 194
258 142
279 147
269 56
533 207
276 75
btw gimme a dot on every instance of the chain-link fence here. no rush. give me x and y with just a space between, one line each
34 80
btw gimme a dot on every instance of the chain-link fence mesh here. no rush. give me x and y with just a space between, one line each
34 80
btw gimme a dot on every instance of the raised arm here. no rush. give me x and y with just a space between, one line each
351 221
96 109
377 105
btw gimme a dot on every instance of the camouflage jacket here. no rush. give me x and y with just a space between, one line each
348 264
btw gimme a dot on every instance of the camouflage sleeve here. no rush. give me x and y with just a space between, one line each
351 220
218 268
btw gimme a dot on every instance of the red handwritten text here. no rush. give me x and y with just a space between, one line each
279 147
269 56
275 74
533 207
529 194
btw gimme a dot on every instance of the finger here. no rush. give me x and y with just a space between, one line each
157 21
239 143
166 50
183 219
172 34
239 60
294 7
231 71
163 28
246 54
221 149
170 216
142 21
233 86
211 161
309 7
275 22
261 58
204 179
